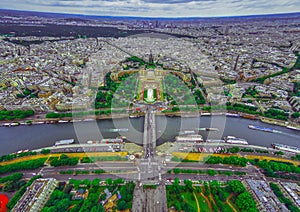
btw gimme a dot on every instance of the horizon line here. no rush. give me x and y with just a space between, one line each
154 17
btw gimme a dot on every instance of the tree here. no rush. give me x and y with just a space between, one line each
14 177
122 205
234 149
207 191
109 181
176 181
188 185
97 208
236 186
198 189
45 151
177 206
245 202
222 196
176 171
96 182
103 196
118 181
63 205
87 182
211 172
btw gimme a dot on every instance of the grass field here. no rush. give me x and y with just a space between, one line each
206 203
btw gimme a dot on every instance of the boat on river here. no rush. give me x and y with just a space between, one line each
64 142
208 129
118 130
286 148
235 140
265 129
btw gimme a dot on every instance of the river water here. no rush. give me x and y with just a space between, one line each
13 139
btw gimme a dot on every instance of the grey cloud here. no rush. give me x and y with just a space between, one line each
158 8
175 1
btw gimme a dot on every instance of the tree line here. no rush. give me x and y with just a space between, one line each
25 165
15 155
64 160
15 114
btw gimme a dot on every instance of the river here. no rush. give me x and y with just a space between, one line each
38 136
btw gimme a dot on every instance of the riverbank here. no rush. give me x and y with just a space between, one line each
202 157
289 125
187 156
72 155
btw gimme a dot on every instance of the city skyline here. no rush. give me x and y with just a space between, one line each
155 8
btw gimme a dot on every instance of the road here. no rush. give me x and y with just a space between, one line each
150 200
142 167
149 134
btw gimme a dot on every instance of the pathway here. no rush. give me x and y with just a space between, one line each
229 203
207 200
197 202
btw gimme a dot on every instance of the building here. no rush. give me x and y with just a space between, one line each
111 203
81 193
36 196
293 190
265 196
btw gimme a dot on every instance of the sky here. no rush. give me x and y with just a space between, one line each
156 8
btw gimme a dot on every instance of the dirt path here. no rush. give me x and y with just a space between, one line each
212 198
230 205
207 200
197 202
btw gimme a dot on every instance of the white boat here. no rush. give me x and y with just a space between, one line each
187 132
214 141
286 148
64 142
62 121
118 130
38 122
235 140
232 115
11 124
208 129
292 127
265 129
189 138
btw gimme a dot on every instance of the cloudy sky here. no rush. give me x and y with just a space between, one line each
156 8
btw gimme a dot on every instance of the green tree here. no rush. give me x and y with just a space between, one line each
122 205
234 149
236 186
45 151
211 172
245 202
95 182
109 181
63 205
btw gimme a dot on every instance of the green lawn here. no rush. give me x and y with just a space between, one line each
202 203
188 197
185 197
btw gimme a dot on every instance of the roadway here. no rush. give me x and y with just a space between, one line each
129 171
